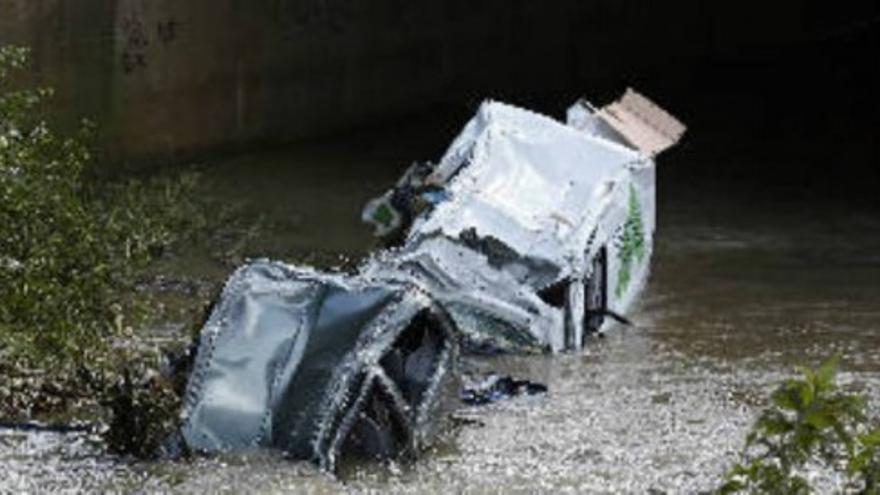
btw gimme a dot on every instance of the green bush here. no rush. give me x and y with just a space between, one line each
810 424
73 246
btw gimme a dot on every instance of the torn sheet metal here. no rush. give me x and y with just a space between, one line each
524 237
317 365
542 228
644 125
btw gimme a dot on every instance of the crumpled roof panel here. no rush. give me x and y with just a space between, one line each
529 180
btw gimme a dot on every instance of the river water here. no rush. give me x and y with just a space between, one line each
748 282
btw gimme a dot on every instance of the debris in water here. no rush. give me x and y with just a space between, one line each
493 388
523 237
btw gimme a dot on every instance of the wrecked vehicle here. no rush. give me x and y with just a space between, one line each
317 364
526 236
530 231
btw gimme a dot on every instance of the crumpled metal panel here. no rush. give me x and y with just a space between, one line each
522 238
551 198
642 123
529 181
491 306
290 358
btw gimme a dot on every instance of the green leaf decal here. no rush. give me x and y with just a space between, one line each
632 242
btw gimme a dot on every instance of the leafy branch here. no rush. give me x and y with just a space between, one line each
810 423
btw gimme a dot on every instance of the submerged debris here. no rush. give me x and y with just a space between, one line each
492 388
524 237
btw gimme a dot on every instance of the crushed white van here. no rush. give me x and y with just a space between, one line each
526 236
530 231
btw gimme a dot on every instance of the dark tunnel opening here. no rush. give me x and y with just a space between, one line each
779 94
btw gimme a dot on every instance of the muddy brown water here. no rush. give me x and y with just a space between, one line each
745 286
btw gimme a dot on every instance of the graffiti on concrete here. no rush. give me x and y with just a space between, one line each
137 40
167 31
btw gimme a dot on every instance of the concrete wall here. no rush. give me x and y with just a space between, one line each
170 79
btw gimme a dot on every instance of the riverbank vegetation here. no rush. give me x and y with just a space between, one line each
75 251
810 428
